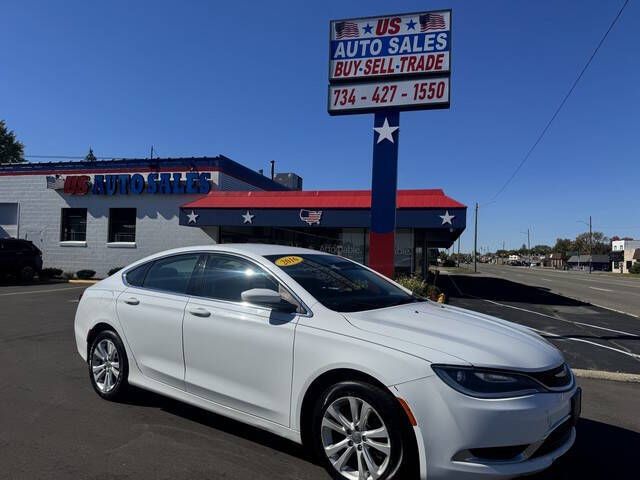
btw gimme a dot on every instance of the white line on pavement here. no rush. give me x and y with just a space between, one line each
633 355
601 289
562 319
40 291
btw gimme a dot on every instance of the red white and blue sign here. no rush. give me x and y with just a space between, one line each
396 45
395 61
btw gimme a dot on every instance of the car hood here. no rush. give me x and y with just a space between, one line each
478 339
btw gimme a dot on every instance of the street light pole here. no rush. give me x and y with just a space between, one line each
590 244
475 242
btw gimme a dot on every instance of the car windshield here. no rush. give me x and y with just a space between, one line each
340 284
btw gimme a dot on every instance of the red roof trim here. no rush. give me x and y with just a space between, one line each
352 199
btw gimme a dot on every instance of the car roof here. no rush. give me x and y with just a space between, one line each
261 249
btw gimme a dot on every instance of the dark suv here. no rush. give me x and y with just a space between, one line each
20 258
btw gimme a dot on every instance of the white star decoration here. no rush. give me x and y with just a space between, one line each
247 217
385 132
193 217
446 218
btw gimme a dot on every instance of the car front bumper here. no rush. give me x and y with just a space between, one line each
462 437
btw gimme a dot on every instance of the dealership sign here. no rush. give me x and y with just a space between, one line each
382 62
123 184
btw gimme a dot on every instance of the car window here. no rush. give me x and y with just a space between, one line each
171 274
225 277
135 277
340 284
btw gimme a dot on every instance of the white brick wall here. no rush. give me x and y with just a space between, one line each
157 226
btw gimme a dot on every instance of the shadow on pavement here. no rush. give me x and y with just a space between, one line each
145 398
601 451
501 290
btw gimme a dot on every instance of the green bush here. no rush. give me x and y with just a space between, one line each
85 274
50 273
635 268
114 270
419 287
414 283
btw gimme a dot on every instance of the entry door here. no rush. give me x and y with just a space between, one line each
151 313
238 355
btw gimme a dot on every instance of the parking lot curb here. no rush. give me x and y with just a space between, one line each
84 282
602 375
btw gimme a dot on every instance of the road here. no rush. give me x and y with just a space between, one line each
617 292
53 426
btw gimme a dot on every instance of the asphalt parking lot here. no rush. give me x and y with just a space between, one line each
53 426
590 337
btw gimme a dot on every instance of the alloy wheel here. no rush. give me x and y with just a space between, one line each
105 365
355 439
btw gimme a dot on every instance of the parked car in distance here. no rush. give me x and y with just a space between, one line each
376 382
20 258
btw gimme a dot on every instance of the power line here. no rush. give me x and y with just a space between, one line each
559 108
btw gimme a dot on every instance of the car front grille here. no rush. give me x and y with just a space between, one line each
555 378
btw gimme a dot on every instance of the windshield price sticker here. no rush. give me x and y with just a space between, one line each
354 98
288 261
398 45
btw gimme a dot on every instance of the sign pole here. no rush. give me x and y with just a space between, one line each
384 183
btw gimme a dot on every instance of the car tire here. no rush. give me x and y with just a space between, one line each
384 450
26 274
108 366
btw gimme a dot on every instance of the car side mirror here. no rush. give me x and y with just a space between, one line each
269 298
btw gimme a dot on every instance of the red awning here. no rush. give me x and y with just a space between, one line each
434 198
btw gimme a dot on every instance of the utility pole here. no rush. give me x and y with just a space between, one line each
590 244
475 242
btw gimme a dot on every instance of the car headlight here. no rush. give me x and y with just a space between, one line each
486 383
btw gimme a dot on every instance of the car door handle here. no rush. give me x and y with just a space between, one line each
131 301
200 312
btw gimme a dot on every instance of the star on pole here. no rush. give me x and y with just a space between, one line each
446 218
193 217
385 132
247 217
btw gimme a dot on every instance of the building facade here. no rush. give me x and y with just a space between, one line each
624 253
106 214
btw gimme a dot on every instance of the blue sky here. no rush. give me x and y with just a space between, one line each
249 79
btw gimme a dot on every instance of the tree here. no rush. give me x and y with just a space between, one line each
11 150
541 250
601 244
90 157
563 246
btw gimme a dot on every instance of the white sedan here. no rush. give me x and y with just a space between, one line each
376 382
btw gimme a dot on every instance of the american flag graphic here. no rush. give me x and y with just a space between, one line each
347 29
55 183
311 216
431 21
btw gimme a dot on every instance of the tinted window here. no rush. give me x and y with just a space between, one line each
73 225
171 274
122 225
340 284
225 277
136 276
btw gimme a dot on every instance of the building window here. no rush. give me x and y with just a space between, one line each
73 225
122 225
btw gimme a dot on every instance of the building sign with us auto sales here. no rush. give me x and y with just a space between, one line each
394 61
